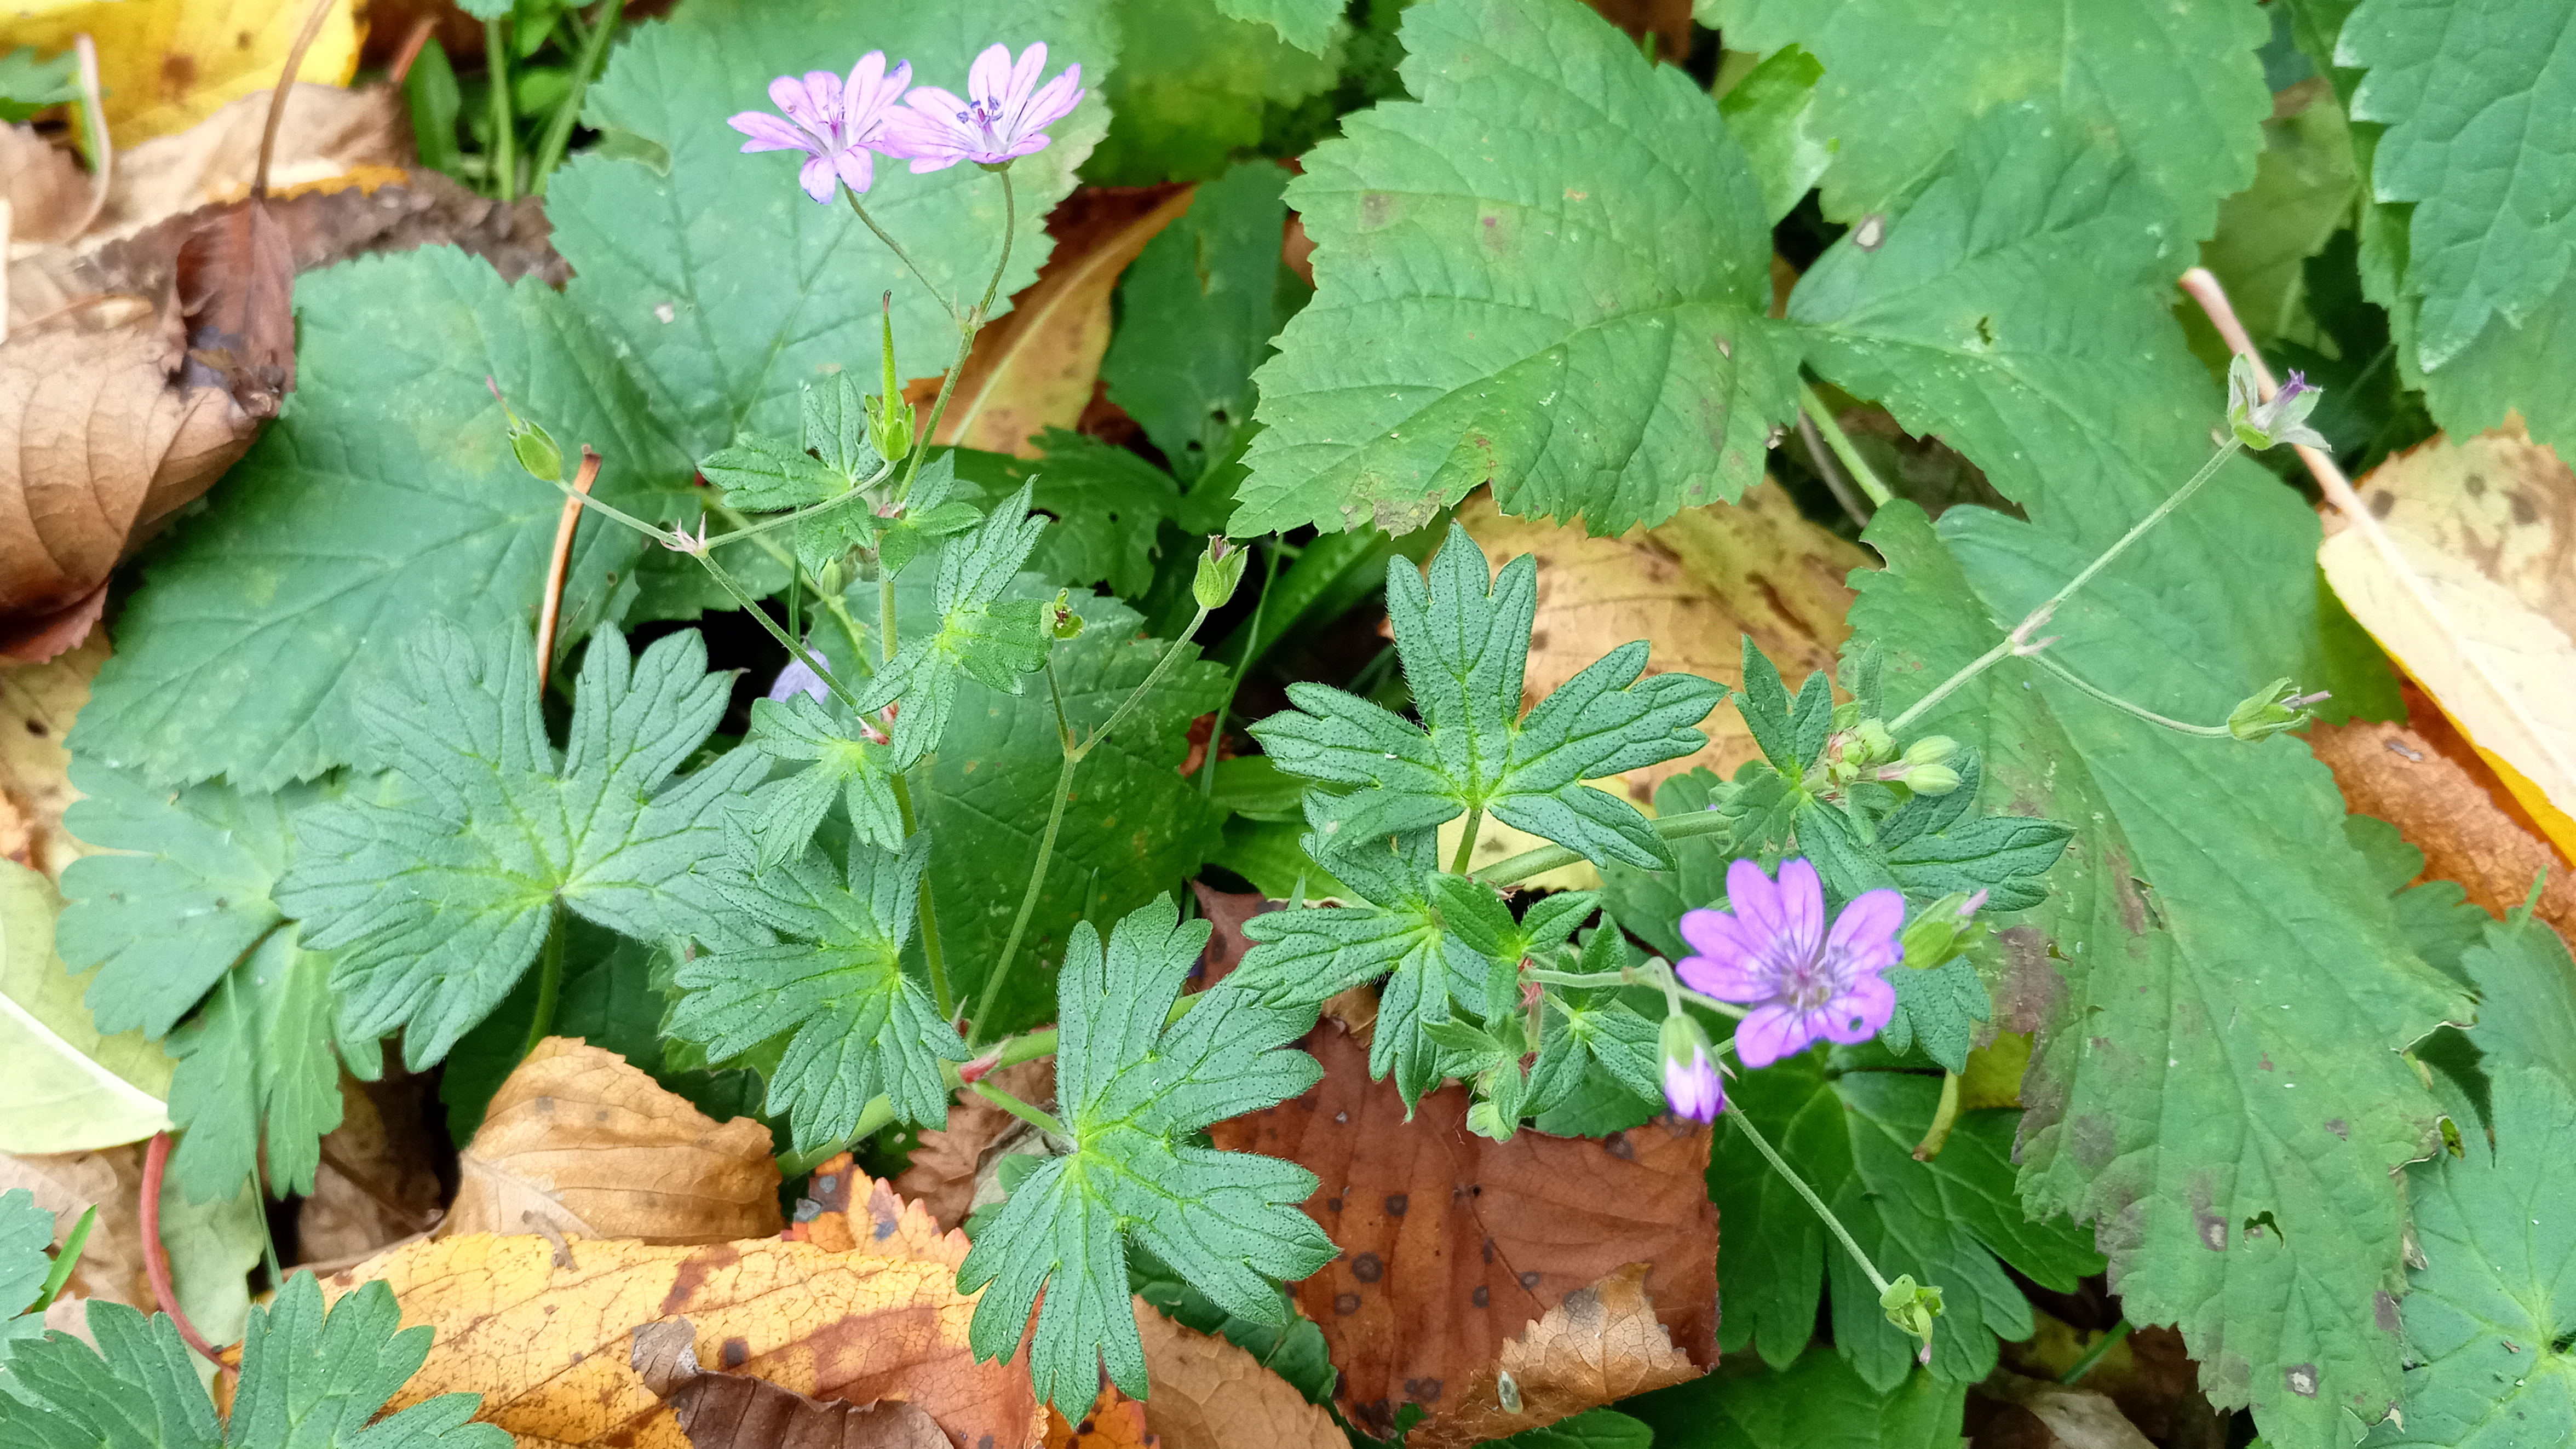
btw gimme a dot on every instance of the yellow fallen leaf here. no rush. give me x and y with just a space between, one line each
1038 366
37 702
579 1142
542 1329
165 65
68 1089
325 132
2459 567
1692 587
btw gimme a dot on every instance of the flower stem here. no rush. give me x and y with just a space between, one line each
550 973
1234 686
2116 702
1467 841
2018 641
1761 1144
1944 1117
2093 1356
594 48
1518 868
1042 1120
872 1119
901 255
932 957
1813 409
504 158
967 327
807 657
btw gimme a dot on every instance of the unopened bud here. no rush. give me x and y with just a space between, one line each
1930 779
889 416
1912 1307
1220 572
1934 936
532 445
1931 750
2281 418
2279 706
1059 620
1691 1085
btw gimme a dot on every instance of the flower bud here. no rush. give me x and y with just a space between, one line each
1933 937
889 416
1931 750
2277 707
1220 571
1931 779
2282 418
532 445
1875 742
1059 621
1691 1085
1912 1307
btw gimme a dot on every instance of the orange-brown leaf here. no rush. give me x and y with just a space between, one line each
1452 1243
851 1211
735 1411
1205 1393
950 1161
237 290
1602 1343
1114 1421
577 1141
541 1332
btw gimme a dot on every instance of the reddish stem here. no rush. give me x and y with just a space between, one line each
156 1264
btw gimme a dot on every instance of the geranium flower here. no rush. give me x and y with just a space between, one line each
835 124
1691 1085
1772 948
1004 116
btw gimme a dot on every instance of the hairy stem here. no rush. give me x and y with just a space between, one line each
932 957
901 255
872 1119
1944 1117
550 972
1813 412
1762 1145
967 327
504 157
2124 706
1518 868
1042 1120
1467 840
1234 685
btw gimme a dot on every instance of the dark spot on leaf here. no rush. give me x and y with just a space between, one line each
2523 512
2338 1127
1346 1303
2383 1311
737 1352
2302 1379
2212 1229
1483 1297
1423 1391
1368 1267
2381 502
1395 1204
1529 1280
1986 330
2476 483
1489 1250
1618 1146
178 73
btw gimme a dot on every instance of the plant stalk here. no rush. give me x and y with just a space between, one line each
594 48
550 972
1813 410
1761 1144
505 144
1515 869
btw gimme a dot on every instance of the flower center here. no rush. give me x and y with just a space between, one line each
983 114
1800 971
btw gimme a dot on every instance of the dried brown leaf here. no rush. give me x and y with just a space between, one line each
325 132
730 1411
1038 366
68 1184
543 1332
236 279
1453 1243
47 192
581 1143
949 1162
2074 1418
377 1183
37 702
1204 1393
1602 1343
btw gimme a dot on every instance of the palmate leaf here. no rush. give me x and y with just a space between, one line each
846 766
1851 1134
727 286
311 1378
436 903
385 495
1551 274
836 980
1465 651
1108 506
1305 24
1133 1091
2178 85
980 634
1816 1403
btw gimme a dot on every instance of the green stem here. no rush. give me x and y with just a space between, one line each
2093 1356
872 1119
901 255
1944 1117
505 145
1171 657
932 957
2124 706
784 520
1028 898
594 47
967 327
66 1260
1822 417
1234 685
550 972
885 612
743 527
1467 840
1521 867
2019 640
1762 1145
1674 991
1042 1120
798 651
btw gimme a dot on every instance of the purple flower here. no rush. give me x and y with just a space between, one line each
1691 1084
796 679
1772 948
1004 116
833 123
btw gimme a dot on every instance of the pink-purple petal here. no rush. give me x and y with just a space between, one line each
768 132
855 168
1753 898
1724 979
990 75
1713 933
1024 75
1768 1033
1872 915
1859 1013
1802 906
818 178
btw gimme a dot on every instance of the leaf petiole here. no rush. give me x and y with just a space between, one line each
1762 1145
1518 868
2219 732
1042 1120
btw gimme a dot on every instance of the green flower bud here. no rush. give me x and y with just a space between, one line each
1931 750
1912 1307
889 425
533 446
1059 621
1933 937
1931 779
1874 740
2277 707
1220 572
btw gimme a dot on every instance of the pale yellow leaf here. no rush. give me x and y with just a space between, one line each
165 65
68 1089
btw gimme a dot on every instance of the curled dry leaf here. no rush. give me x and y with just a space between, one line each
1602 1343
2070 1418
2465 572
47 192
951 1162
1692 587
544 1334
578 1142
1204 1393
1038 366
165 65
376 1184
37 702
1453 1243
326 132
732 1411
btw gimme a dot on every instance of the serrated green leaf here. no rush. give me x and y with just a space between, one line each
2511 369
1196 312
1390 929
1190 91
1589 1033
2221 1077
1946 1221
980 635
1305 24
310 1378
436 905
29 85
862 1027
1938 1009
1591 1429
1464 643
2304 191
2178 86
1552 274
728 286
836 425
1935 846
258 1079
1133 1090
1108 504
71 1089
26 1231
1771 113
1818 1403
845 767
760 474
2474 100
387 494
2489 1313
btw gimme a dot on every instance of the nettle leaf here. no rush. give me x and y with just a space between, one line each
1191 90
310 1377
1816 1403
1465 651
1551 273
928 516
385 495
1196 312
2475 101
1938 1008
191 925
846 766
1305 24
1391 930
1852 1135
1108 504
980 634
2179 86
1770 111
836 980
1133 1092
728 286
760 474
437 903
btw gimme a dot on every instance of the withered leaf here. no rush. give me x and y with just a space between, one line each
949 1161
547 1345
326 132
1602 1343
585 1144
1114 1421
47 192
236 280
37 702
730 1411
376 1183
1452 1243
1205 1393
